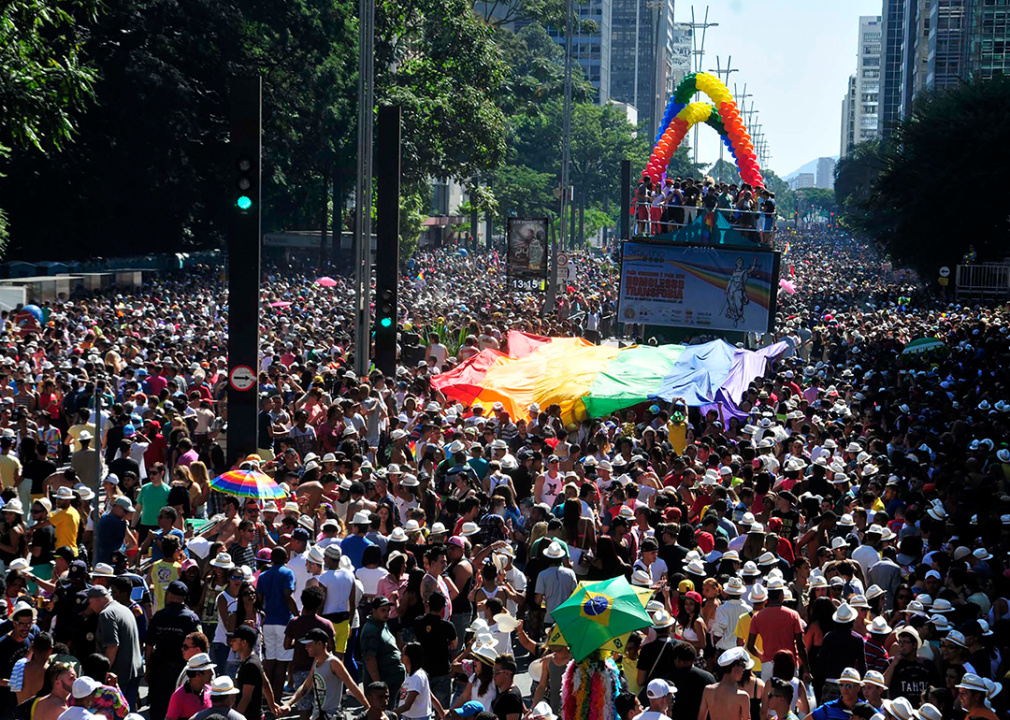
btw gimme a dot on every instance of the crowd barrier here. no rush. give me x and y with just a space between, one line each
662 219
983 280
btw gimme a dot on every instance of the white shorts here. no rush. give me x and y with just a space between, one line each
273 644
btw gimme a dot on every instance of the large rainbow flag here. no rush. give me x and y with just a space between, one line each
589 380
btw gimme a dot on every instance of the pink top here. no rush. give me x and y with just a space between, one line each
184 704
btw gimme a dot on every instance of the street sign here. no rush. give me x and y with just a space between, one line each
944 272
241 377
943 281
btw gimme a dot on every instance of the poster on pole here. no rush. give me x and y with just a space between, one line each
527 261
704 287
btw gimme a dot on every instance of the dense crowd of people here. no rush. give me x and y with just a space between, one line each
840 550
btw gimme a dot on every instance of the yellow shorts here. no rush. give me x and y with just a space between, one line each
341 631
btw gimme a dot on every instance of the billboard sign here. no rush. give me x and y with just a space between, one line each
694 286
527 261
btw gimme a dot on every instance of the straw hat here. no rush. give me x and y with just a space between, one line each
222 686
859 601
874 591
817 581
750 569
900 709
911 632
928 712
485 654
662 619
735 587
641 578
879 626
759 593
223 560
845 614
536 669
472 528
872 677
850 675
971 681
506 623
553 551
398 535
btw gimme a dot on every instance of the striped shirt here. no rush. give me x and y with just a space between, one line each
876 656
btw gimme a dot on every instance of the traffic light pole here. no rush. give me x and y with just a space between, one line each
244 265
387 239
363 202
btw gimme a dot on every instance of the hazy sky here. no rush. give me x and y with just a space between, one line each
796 57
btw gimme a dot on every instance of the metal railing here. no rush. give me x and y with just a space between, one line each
662 219
983 280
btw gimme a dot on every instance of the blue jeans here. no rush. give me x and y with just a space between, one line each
219 655
441 688
131 691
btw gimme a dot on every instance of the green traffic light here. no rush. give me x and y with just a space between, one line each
244 202
386 322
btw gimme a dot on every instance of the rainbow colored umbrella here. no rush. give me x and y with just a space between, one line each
248 483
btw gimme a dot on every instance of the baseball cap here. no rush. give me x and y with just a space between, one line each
315 635
244 632
659 688
469 709
300 534
178 588
84 686
380 602
78 569
98 591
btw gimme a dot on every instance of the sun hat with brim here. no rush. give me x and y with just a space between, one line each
900 709
759 593
955 637
928 711
971 681
662 619
940 622
872 677
641 578
942 606
767 558
874 591
223 560
316 555
199 663
485 654
536 669
472 528
850 675
735 655
64 493
845 614
846 521
981 554
750 569
859 601
879 626
505 622
775 583
910 631
838 543
817 581
103 570
986 630
696 567
398 535
222 686
14 506
914 608
553 551
735 587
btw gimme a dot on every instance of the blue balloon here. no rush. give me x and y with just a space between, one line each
35 311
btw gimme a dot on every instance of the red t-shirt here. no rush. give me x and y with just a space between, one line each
778 628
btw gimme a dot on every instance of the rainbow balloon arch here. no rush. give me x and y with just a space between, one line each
724 117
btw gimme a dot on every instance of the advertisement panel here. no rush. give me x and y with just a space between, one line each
527 261
703 287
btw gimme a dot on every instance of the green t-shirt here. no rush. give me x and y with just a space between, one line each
152 499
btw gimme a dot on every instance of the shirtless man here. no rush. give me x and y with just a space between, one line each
311 493
229 526
51 706
725 700
34 672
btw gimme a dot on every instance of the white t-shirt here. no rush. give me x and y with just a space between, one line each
298 566
370 578
417 682
338 584
651 715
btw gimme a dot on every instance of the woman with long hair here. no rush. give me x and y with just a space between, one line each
386 513
200 489
411 604
819 625
13 540
480 685
690 626
711 592
226 604
902 596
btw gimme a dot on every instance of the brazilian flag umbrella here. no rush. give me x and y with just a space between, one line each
598 612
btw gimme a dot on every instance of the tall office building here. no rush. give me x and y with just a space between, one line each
642 57
592 50
989 44
892 40
826 172
868 78
948 43
849 117
914 53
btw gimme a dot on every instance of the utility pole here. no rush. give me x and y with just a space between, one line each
699 57
723 74
566 140
363 187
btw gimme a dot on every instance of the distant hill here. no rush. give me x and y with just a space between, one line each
810 167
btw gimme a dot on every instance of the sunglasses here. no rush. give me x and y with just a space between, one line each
849 686
235 577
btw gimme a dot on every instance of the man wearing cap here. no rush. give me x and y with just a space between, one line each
66 520
117 638
222 698
341 597
113 529
14 646
193 695
728 614
556 583
725 700
972 696
297 547
907 674
250 680
353 546
327 680
163 642
379 649
661 695
841 707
